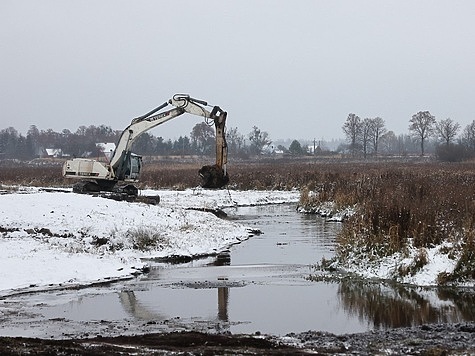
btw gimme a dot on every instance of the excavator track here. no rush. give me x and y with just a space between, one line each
127 192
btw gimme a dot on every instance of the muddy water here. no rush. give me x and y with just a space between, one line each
261 285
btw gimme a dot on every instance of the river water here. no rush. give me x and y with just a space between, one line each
260 285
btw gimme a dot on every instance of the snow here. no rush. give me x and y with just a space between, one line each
56 239
329 211
52 239
387 268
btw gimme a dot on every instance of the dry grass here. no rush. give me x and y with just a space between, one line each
422 205
428 203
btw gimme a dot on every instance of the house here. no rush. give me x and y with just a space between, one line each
106 148
54 152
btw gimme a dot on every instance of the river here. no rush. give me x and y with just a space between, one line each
258 286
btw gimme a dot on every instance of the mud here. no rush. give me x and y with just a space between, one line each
438 339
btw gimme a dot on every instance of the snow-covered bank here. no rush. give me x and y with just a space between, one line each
358 254
415 266
61 238
212 199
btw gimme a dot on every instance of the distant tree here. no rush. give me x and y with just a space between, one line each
13 145
407 144
234 140
33 132
202 137
259 139
447 130
389 142
49 138
144 144
468 136
377 130
422 126
343 148
352 129
398 145
295 148
182 146
160 146
366 132
9 142
32 136
282 148
81 130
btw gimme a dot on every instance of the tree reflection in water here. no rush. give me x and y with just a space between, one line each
390 306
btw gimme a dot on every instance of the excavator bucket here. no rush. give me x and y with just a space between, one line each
213 177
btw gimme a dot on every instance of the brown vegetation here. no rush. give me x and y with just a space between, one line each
426 202
283 174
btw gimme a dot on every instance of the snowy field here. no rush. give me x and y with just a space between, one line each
59 239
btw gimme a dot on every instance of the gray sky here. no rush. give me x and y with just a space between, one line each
295 69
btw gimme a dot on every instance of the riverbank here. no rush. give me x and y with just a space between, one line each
58 239
435 339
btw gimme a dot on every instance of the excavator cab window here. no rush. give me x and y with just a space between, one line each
135 166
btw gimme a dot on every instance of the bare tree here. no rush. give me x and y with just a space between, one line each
422 126
377 130
259 139
389 142
202 136
366 131
468 136
447 130
235 140
352 129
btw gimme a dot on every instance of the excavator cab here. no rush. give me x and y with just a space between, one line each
135 162
129 167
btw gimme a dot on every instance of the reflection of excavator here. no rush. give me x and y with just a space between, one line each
124 166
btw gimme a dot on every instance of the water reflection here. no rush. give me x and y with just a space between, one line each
133 307
390 306
140 311
223 302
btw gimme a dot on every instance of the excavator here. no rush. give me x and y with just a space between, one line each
117 176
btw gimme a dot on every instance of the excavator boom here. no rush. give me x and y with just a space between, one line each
124 166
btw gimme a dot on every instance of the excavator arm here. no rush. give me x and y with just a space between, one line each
182 104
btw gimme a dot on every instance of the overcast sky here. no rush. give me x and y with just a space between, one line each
295 69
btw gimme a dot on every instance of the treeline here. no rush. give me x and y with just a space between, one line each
444 138
365 138
84 142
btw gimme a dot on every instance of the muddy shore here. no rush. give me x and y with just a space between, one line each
429 339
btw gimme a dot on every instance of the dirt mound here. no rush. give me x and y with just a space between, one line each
179 343
430 339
